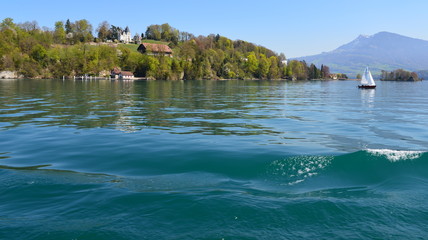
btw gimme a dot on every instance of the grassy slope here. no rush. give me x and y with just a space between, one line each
154 41
134 47
130 46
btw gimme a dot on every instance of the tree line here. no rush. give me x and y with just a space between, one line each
37 52
399 75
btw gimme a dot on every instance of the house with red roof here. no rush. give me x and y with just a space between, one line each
116 73
155 49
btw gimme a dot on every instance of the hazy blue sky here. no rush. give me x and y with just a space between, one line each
293 27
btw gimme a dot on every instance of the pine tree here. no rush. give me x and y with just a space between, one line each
68 27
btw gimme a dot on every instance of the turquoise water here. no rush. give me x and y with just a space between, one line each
213 160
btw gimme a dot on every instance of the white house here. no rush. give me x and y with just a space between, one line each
284 62
125 36
117 73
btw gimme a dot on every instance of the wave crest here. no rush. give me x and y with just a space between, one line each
395 155
296 169
365 167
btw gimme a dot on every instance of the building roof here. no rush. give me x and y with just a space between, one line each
116 70
153 47
125 73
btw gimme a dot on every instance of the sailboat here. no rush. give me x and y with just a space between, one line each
367 80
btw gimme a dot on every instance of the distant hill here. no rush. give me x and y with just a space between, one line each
382 51
423 74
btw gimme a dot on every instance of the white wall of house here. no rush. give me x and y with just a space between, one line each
9 75
125 37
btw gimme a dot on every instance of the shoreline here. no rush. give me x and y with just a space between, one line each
151 79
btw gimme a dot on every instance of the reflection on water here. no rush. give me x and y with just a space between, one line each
207 107
332 114
127 160
367 97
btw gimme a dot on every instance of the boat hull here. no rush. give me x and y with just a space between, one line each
367 86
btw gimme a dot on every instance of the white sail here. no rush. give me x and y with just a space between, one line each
367 78
370 78
364 78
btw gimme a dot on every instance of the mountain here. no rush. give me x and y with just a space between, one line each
381 51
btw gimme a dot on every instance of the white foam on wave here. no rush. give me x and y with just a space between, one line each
297 169
396 155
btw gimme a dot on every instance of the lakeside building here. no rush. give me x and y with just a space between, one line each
116 73
333 76
155 49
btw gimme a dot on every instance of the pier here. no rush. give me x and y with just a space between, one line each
94 78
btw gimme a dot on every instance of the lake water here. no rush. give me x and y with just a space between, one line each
213 160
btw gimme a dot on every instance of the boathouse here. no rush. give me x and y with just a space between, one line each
116 73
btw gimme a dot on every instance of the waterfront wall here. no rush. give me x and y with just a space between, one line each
9 75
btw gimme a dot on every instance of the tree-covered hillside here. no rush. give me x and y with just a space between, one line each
71 49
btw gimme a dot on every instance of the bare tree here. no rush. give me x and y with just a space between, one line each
103 30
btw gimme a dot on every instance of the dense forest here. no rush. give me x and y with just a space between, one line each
72 49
